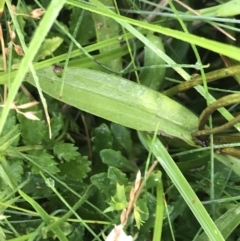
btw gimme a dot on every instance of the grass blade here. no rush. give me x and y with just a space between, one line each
53 10
165 160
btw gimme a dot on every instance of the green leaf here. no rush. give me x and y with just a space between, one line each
102 138
141 213
6 173
120 194
84 34
44 215
10 139
153 76
106 28
100 181
43 28
193 161
32 132
178 206
44 160
37 186
230 161
76 169
122 136
116 176
116 159
66 228
224 49
159 212
36 206
78 233
165 160
48 47
2 2
57 124
119 201
226 223
65 151
121 101
154 179
2 232
11 129
17 170
228 9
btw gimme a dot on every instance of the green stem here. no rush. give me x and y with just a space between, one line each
222 102
211 76
230 151
217 129
89 192
157 233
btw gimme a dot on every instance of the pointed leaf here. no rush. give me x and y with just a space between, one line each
102 138
122 135
120 101
101 181
116 176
